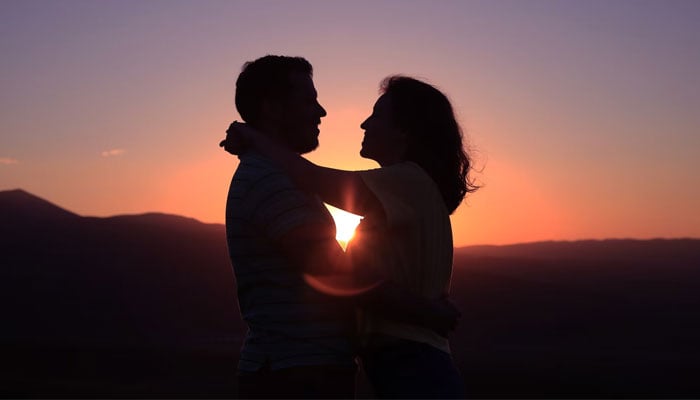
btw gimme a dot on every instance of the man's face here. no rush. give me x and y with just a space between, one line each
300 114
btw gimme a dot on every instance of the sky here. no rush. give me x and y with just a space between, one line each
582 117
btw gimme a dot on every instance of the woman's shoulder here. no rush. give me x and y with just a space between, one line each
408 174
404 182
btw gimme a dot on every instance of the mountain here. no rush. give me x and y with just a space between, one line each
79 277
115 298
144 306
588 319
652 251
18 206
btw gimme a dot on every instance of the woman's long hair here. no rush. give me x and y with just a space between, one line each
434 138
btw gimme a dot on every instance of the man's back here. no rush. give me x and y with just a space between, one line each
290 324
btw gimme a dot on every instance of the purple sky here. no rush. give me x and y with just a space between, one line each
584 116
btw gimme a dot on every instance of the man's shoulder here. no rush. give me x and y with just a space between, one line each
255 162
261 181
254 168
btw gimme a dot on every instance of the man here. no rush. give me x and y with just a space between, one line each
299 340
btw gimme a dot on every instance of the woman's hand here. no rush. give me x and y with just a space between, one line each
239 138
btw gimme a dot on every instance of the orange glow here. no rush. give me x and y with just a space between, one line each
494 214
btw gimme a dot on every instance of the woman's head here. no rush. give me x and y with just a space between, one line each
383 141
414 121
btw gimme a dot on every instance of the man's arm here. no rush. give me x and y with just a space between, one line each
313 247
340 188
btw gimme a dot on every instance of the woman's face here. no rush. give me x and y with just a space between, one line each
382 142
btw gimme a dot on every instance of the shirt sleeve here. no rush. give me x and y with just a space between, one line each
280 206
394 187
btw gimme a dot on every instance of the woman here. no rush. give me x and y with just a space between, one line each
405 235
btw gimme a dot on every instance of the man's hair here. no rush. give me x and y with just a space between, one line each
267 78
433 135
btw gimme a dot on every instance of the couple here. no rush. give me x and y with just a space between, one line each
303 340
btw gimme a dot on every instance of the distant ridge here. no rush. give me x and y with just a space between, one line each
159 219
121 279
20 205
607 249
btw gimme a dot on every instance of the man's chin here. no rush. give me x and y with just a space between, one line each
308 150
307 147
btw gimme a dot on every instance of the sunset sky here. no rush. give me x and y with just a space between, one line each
583 117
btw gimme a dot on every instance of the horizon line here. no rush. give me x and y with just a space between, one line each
654 238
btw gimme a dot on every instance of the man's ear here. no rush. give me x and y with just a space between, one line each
403 142
271 110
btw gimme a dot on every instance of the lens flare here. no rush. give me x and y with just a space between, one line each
339 285
345 224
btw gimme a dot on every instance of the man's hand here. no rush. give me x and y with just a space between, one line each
446 316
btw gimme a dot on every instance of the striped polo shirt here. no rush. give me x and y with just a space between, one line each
289 323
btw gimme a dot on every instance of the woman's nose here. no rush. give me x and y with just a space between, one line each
363 125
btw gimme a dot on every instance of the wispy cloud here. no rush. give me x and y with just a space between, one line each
113 152
8 161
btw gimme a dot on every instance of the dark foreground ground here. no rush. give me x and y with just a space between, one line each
531 329
144 307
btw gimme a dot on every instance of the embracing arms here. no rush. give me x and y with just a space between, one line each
313 248
340 188
320 256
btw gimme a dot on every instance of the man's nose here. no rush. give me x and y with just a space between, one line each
322 110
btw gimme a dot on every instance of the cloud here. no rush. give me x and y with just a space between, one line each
8 160
113 152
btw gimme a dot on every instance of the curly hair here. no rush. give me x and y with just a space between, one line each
434 137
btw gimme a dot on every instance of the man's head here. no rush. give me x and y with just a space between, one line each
276 95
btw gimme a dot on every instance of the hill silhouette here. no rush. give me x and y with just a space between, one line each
590 319
21 207
113 298
144 306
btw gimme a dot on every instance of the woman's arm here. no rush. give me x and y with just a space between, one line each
393 302
342 189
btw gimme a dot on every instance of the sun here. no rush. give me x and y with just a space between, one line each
345 224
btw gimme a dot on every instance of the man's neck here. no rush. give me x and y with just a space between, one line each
274 133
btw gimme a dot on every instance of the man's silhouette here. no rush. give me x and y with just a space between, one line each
299 340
